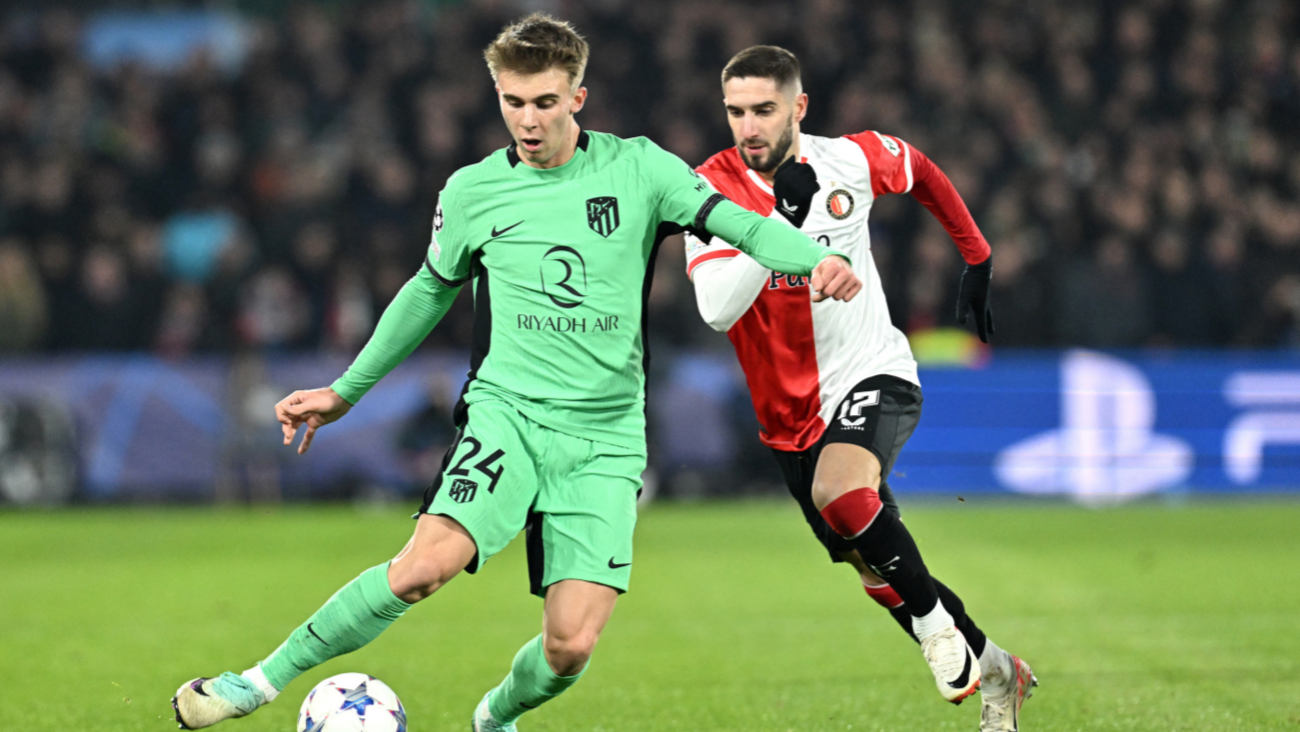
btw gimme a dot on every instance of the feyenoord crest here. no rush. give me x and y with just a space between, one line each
839 204
602 215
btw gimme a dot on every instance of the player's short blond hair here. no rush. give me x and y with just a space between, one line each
536 44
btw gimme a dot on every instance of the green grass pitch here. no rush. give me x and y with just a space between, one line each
1139 618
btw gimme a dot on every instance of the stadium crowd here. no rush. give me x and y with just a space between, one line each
1136 166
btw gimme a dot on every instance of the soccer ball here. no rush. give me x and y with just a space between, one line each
352 703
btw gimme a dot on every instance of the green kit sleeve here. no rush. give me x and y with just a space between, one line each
406 322
770 242
687 200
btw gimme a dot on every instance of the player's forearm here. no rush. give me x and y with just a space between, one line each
934 191
773 244
725 288
406 322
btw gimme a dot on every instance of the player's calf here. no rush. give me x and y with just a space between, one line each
885 546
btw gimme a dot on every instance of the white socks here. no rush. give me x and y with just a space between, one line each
995 664
932 622
259 680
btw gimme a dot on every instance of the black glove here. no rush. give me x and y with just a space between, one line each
794 185
973 296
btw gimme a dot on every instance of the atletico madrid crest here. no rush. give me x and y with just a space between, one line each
602 215
839 204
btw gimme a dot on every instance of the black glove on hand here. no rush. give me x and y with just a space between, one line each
973 296
794 185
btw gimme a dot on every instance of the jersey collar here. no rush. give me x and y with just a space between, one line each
512 154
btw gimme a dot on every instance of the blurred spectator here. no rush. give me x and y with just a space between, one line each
1120 155
22 299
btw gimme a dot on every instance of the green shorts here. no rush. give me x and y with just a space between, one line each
576 497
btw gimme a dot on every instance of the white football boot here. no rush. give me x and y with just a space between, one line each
1003 697
484 722
956 669
203 702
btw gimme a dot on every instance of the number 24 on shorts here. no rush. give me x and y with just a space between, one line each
484 466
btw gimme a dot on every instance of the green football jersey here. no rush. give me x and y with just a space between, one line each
560 260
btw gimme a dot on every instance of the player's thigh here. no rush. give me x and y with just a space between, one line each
489 478
798 469
843 467
582 524
437 552
865 435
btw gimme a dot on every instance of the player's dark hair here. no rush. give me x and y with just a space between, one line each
764 62
535 44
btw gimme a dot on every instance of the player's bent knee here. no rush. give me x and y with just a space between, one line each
826 491
568 654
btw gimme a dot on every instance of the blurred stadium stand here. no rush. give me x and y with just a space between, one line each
245 185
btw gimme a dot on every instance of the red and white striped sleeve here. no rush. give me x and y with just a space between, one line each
698 252
897 167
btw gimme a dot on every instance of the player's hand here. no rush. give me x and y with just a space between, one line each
794 184
834 278
973 297
314 408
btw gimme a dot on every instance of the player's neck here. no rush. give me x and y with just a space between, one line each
564 155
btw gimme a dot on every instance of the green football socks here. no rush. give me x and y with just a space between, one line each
353 617
530 684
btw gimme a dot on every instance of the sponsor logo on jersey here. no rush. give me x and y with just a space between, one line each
437 250
890 145
498 232
694 246
462 491
564 276
839 204
778 280
602 214
565 324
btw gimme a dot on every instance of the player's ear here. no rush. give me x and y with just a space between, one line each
579 99
800 106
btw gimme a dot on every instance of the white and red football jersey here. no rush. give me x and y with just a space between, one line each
801 357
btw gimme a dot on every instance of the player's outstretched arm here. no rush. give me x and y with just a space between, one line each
783 249
406 322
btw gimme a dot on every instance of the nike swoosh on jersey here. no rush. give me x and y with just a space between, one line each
496 233
961 681
612 565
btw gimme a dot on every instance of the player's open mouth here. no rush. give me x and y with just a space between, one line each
754 150
531 145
